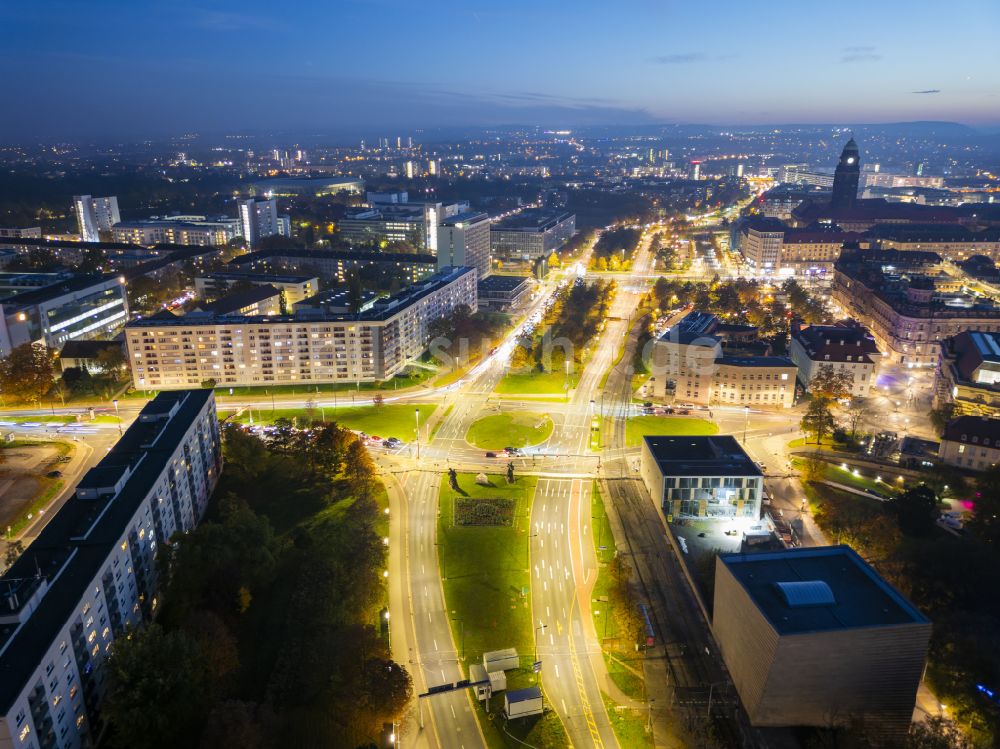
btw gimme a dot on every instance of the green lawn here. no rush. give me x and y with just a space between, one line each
864 480
390 420
515 429
537 382
638 427
485 579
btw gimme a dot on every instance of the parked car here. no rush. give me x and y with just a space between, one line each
491 455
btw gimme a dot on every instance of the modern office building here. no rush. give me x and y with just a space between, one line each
179 230
391 217
91 573
310 346
701 477
968 373
502 293
845 347
816 637
334 265
94 215
464 240
293 287
531 234
53 308
909 302
259 219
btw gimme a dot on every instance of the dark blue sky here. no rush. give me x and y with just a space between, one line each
145 67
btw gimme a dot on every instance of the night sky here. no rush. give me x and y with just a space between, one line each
139 67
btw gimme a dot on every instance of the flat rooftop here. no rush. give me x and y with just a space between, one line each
382 310
719 455
502 283
832 588
467 217
532 220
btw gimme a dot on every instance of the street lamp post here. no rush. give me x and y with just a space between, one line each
462 624
416 414
746 423
118 416
527 551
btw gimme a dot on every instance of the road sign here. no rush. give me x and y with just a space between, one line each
536 666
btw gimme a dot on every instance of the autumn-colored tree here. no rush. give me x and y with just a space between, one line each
28 372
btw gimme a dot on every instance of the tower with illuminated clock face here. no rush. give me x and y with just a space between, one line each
846 177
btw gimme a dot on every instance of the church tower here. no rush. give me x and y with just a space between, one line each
846 177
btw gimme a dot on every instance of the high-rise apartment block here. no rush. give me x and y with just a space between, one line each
464 240
313 345
91 573
260 219
94 215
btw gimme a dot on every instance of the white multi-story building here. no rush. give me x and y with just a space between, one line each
94 215
259 219
848 349
760 243
311 346
91 572
186 230
464 240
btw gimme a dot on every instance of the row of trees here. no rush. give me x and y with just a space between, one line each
568 326
614 248
266 636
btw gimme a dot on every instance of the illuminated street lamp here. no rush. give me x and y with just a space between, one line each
118 416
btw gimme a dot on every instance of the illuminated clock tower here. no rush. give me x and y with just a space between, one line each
846 177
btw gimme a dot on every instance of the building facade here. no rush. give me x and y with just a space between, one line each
91 573
34 232
94 215
907 303
260 219
968 373
182 230
293 288
335 265
701 477
531 234
464 240
61 307
845 348
313 346
971 443
815 637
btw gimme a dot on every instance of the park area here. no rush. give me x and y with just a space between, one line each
638 427
515 429
486 583
538 383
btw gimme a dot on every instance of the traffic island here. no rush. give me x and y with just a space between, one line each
514 429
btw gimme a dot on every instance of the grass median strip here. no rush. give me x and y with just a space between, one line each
638 427
486 584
